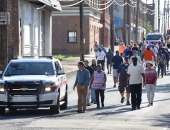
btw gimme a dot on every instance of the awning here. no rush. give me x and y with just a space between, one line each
52 5
119 22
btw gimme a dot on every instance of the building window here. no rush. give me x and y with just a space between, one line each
72 36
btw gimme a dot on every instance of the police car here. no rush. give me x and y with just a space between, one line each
154 37
32 83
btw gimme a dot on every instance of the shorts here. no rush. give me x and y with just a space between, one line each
114 73
108 63
122 87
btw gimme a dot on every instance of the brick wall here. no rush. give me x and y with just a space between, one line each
13 29
60 27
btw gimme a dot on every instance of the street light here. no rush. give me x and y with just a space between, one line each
74 37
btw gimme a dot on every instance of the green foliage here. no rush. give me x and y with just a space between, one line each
149 27
65 57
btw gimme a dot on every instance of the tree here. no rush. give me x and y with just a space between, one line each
149 27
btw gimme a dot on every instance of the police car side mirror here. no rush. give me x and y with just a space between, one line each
60 72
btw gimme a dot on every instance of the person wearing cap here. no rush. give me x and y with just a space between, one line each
86 66
148 55
134 79
98 83
82 83
121 76
135 55
109 56
151 79
116 61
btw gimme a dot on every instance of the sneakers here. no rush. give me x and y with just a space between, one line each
128 103
122 100
114 86
92 101
88 104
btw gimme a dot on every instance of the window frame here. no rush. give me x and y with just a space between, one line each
74 31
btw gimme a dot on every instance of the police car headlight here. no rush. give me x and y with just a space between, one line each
49 88
2 90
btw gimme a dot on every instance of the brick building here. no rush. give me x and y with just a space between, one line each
29 32
66 29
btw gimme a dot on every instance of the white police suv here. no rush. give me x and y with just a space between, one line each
32 83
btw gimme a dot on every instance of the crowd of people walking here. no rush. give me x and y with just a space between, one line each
132 67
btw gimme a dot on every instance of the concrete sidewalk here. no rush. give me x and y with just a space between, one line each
71 66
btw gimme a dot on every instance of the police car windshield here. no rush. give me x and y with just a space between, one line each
154 37
29 68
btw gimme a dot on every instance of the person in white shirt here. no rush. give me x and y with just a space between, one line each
100 58
134 78
135 55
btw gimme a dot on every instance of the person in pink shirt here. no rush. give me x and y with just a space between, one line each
151 79
98 83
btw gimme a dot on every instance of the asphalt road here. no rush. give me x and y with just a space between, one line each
114 116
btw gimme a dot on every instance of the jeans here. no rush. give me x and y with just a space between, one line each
160 67
101 92
88 96
102 63
150 89
167 63
93 95
136 94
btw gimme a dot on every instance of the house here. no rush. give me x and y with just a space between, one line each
66 28
30 29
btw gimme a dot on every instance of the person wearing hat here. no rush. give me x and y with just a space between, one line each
134 79
135 55
121 76
151 79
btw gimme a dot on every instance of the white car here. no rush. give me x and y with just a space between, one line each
154 37
33 83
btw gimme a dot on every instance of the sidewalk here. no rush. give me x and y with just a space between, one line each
71 66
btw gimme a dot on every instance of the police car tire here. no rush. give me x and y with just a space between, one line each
56 109
2 111
64 105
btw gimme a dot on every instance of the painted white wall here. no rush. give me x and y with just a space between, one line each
33 42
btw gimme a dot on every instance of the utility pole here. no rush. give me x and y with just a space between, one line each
168 13
112 37
164 19
137 19
125 21
3 38
153 28
159 16
81 8
129 11
146 18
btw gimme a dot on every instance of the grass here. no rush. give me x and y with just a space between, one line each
65 57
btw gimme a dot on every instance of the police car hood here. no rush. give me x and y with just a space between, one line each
153 41
29 78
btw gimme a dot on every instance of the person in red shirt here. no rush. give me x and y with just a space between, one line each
151 79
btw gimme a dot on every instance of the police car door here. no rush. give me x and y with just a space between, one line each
60 79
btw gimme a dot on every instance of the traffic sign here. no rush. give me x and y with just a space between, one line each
4 18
